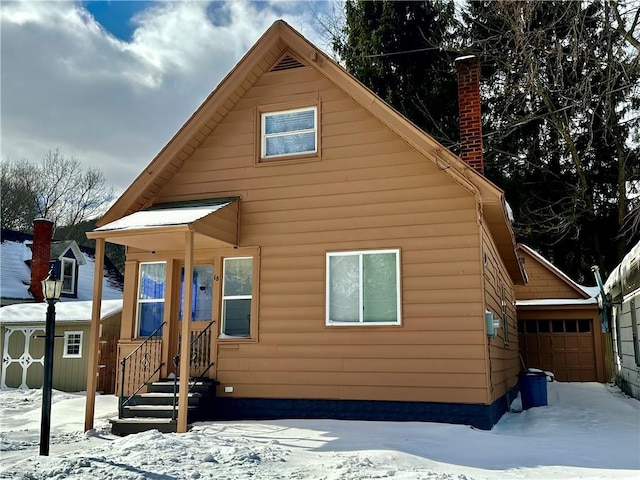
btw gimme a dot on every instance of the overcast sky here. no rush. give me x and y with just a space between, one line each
110 83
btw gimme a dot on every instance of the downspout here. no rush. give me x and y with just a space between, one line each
605 303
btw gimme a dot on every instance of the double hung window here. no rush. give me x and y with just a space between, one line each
289 132
237 294
363 288
72 345
151 294
68 275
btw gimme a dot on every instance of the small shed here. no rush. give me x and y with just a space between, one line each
22 330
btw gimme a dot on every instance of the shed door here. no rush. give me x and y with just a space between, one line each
564 347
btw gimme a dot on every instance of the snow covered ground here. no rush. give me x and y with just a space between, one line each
588 431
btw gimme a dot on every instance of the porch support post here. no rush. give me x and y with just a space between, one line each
94 336
183 395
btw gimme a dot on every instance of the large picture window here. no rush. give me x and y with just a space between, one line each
363 288
237 294
289 132
151 293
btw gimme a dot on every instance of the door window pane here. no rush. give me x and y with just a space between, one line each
202 293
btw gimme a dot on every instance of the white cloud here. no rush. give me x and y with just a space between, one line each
69 84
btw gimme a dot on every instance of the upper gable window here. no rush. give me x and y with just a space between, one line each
68 275
289 132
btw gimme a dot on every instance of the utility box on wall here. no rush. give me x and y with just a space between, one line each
493 323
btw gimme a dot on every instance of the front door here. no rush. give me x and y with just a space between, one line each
203 313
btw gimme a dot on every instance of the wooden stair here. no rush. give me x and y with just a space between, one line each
153 410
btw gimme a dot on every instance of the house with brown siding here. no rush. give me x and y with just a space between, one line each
344 264
559 326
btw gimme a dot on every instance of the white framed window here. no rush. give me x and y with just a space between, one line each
151 293
72 345
68 275
289 132
363 288
237 295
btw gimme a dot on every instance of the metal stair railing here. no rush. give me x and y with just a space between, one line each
199 360
141 361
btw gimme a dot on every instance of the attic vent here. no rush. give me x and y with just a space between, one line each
287 63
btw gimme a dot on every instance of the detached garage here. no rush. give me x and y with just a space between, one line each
558 322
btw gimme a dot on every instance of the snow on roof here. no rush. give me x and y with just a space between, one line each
546 302
162 217
15 275
623 267
65 312
590 291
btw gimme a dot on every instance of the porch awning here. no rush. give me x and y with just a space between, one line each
162 227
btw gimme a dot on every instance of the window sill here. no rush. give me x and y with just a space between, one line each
223 338
363 324
286 159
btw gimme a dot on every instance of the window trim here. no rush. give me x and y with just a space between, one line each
73 263
264 136
148 300
361 322
305 101
252 325
65 351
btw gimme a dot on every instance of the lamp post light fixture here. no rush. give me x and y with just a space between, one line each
51 289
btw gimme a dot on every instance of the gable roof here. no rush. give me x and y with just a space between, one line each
278 42
15 274
584 291
60 248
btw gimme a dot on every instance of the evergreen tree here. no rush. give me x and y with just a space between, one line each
559 91
400 50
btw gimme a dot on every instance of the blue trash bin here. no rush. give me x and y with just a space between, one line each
533 389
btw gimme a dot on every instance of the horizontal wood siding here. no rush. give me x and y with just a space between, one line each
542 282
503 361
366 189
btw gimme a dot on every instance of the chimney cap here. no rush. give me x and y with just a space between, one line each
42 219
465 58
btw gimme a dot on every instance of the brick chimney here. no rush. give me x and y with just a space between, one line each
40 255
468 70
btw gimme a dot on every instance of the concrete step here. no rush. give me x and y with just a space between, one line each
150 411
128 426
160 398
207 387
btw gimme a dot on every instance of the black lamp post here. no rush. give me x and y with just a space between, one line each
51 289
